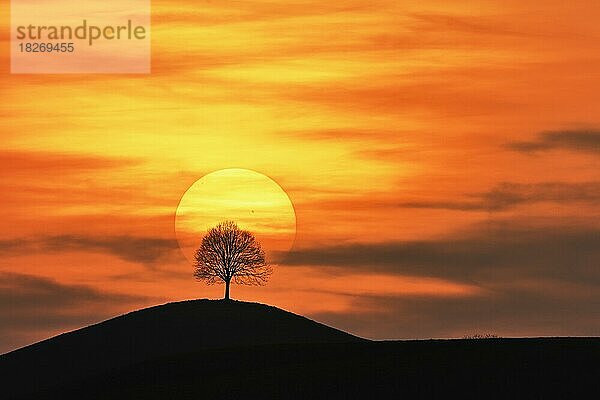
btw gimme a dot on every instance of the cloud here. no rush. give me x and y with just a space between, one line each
534 311
508 195
189 12
31 306
36 179
502 197
144 250
532 280
505 252
387 93
586 140
25 163
345 135
473 25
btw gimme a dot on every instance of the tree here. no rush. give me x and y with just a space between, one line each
228 253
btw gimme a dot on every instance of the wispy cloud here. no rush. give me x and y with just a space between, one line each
494 252
32 162
585 140
475 25
30 306
532 280
509 195
537 310
143 250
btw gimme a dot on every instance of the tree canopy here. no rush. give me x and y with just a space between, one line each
228 253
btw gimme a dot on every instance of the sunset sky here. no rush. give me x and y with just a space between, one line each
442 158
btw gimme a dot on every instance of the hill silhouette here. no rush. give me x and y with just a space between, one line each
236 350
165 330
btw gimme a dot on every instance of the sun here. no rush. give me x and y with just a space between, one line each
252 200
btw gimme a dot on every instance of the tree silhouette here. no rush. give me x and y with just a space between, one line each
228 253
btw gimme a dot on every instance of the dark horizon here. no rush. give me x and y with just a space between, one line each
157 353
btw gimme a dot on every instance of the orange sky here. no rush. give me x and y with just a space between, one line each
442 159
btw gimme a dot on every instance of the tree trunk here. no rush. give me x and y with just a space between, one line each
227 290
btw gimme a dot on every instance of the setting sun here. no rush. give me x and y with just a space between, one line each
253 200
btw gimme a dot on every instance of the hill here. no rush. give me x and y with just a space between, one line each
166 330
236 350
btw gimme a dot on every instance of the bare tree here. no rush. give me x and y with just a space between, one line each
227 254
